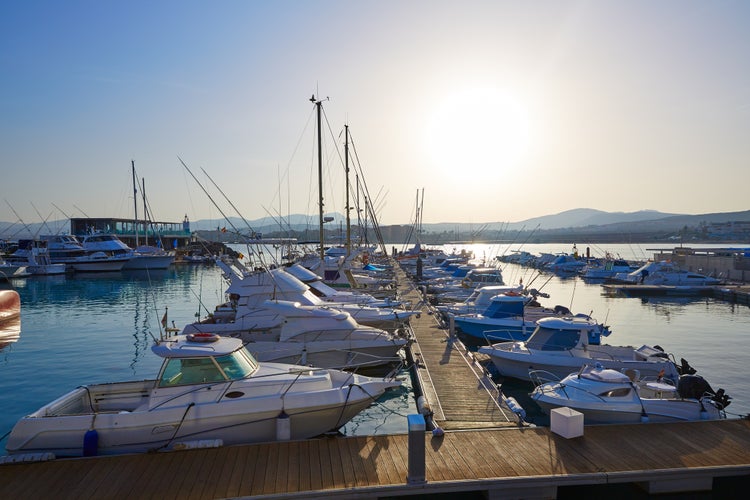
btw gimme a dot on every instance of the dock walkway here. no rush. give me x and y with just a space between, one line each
456 388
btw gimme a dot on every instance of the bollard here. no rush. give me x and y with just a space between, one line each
416 473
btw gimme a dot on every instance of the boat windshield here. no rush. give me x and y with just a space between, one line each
548 339
186 371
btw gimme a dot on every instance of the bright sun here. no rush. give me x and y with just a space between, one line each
478 131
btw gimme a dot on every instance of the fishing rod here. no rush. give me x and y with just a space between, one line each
260 258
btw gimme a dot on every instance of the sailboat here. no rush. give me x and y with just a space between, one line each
141 257
338 266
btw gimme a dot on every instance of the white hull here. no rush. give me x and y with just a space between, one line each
514 361
149 262
97 265
665 410
235 413
346 352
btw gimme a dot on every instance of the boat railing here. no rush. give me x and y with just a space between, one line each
540 377
507 337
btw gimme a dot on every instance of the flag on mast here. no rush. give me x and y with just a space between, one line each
164 318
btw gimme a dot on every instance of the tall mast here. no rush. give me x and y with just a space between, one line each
318 105
145 211
348 208
135 202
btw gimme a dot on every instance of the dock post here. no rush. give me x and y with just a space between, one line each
417 427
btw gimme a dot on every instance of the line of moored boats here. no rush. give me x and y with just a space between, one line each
560 351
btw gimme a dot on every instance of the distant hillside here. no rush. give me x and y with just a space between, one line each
579 217
578 221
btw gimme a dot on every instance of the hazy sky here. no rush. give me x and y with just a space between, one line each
500 111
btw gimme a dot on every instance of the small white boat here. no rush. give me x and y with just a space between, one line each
281 331
607 269
336 296
12 270
665 273
208 389
143 257
252 288
34 254
66 249
607 396
560 346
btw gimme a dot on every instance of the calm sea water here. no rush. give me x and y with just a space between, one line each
98 328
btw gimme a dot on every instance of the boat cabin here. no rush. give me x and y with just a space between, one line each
203 358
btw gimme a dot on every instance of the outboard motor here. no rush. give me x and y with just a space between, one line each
693 387
685 368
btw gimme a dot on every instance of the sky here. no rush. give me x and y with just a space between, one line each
497 111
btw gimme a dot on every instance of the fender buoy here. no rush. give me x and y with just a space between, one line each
202 337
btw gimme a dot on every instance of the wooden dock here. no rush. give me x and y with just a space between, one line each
455 386
483 452
512 463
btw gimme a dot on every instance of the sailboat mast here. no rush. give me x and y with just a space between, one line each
145 214
318 105
135 202
348 208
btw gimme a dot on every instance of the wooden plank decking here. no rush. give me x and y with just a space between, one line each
518 461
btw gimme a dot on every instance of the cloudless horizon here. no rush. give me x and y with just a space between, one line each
498 110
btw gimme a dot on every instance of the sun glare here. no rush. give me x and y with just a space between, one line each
478 131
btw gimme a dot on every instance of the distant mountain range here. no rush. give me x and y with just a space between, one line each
577 219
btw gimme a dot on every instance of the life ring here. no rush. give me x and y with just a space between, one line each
512 294
202 337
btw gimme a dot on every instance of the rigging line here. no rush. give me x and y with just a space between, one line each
247 244
44 220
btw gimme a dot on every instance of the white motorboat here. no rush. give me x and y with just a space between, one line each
252 288
560 346
607 269
66 249
208 389
336 296
607 396
288 332
665 273
143 257
479 300
512 317
12 270
34 254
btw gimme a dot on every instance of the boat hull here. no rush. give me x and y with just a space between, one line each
515 362
655 411
149 262
232 419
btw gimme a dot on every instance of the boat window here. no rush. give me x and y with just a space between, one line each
236 365
547 339
616 393
182 371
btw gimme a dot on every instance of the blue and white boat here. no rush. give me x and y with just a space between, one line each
560 346
510 317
